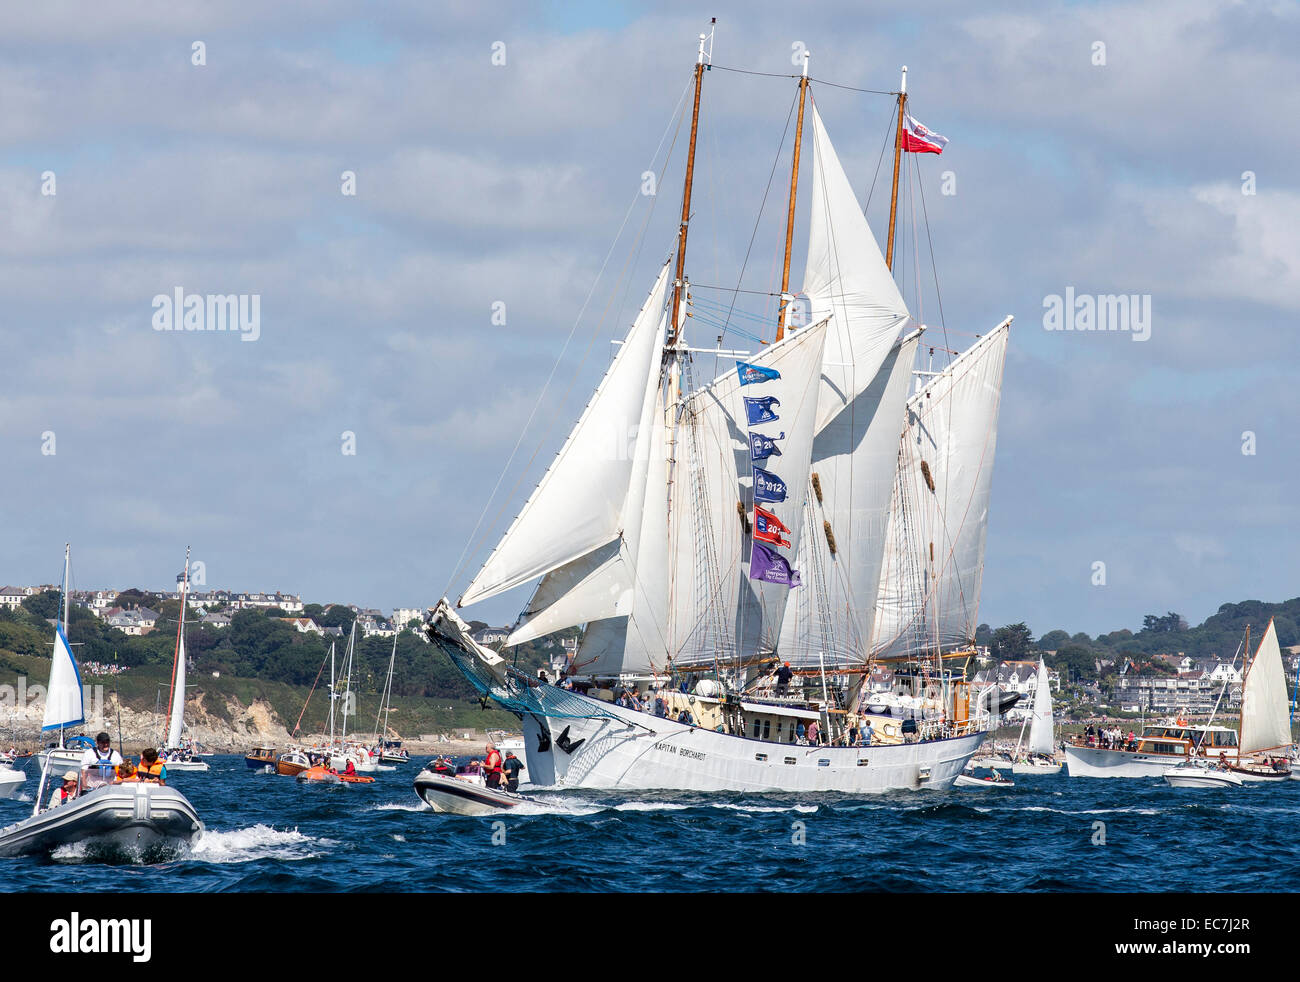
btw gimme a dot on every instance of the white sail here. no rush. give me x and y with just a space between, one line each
579 504
846 277
934 553
717 611
1042 732
1265 716
854 457
63 698
176 720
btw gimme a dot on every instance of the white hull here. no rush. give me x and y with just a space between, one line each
1201 777
133 816
60 760
1023 767
637 751
457 796
186 765
11 782
1096 762
979 783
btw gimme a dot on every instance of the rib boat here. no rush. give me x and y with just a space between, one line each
463 796
135 816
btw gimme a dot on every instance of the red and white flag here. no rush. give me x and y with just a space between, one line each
917 138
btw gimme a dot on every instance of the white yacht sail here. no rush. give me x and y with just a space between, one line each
1042 730
718 613
579 504
934 553
854 457
1265 714
176 716
846 279
64 699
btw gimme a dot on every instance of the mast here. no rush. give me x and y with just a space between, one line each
178 668
898 156
679 275
67 565
786 299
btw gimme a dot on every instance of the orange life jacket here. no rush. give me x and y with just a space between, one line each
151 772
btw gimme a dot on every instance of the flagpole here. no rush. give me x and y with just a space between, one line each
786 299
898 155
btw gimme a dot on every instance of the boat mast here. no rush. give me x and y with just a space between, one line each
786 300
898 156
679 276
67 565
180 633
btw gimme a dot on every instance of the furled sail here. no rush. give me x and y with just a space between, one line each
1042 732
1265 718
845 520
934 553
64 698
846 279
579 504
718 613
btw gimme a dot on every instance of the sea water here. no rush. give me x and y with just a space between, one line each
270 833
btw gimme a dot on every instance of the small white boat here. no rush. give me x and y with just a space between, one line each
11 782
184 762
1198 774
994 780
135 816
174 753
463 795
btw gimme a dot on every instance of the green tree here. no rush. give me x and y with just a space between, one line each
1012 642
45 604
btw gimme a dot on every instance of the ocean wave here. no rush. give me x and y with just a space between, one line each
257 842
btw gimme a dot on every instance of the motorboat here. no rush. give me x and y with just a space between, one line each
1200 774
464 794
133 816
11 781
261 759
1269 769
183 760
320 774
994 779
291 763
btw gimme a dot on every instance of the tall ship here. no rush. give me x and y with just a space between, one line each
771 538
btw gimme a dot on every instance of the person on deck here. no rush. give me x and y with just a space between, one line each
512 766
783 677
492 767
98 762
66 791
868 734
151 768
814 730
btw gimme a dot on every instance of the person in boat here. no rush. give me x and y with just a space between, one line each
442 766
351 769
492 767
783 677
66 791
685 717
127 774
814 732
151 768
99 761
661 707
511 767
868 734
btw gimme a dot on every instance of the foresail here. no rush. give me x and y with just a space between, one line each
854 457
579 504
1265 716
846 279
934 554
1042 734
63 698
720 613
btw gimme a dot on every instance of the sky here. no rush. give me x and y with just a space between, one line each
498 239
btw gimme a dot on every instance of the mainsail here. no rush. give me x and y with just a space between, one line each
64 698
579 505
1042 734
934 554
1265 718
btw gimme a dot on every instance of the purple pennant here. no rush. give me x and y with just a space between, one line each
771 567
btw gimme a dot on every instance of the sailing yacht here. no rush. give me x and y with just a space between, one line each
787 526
1038 755
174 753
1265 743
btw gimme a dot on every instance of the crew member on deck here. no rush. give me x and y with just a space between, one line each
99 761
492 767
66 791
783 677
512 766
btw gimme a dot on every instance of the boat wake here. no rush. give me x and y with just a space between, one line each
258 842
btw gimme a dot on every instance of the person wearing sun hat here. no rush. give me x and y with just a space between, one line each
66 791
